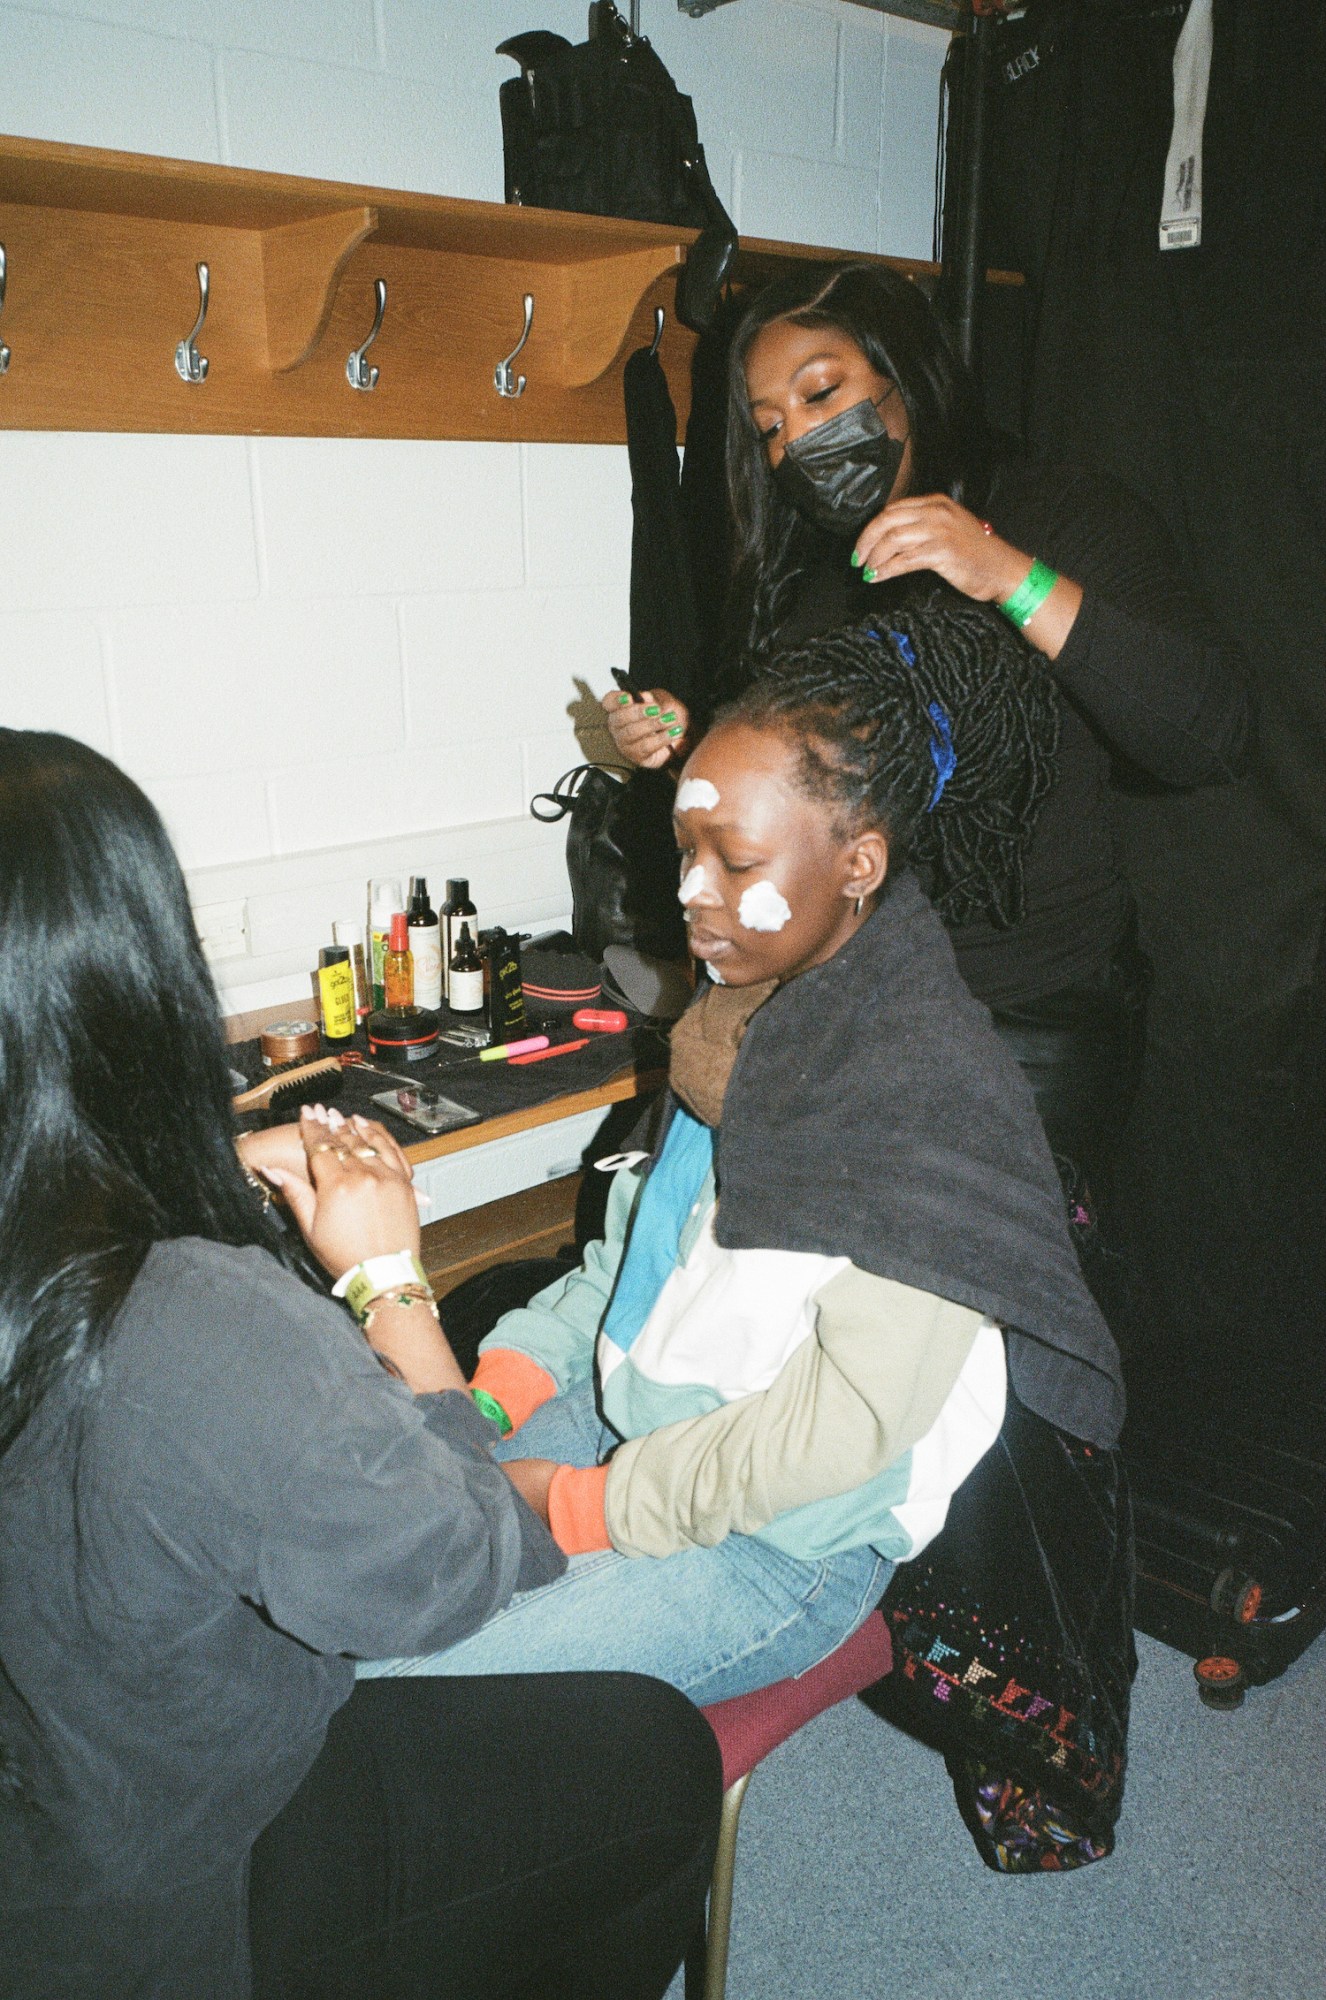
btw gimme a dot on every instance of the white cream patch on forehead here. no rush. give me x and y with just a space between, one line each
696 795
692 884
762 908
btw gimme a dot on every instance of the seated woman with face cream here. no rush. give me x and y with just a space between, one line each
757 1394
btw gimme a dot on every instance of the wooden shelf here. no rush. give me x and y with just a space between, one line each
537 1222
102 251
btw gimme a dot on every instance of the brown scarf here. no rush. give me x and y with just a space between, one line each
704 1045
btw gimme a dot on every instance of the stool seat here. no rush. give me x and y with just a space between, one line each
751 1725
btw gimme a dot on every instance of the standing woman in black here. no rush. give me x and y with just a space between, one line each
861 474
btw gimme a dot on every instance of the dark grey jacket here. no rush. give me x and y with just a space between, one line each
244 1499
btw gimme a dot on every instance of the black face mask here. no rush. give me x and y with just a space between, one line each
843 471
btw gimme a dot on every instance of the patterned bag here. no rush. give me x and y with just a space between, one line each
1013 1646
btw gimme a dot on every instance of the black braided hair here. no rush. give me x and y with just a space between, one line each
938 724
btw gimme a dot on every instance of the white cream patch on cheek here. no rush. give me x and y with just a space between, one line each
696 795
762 908
692 884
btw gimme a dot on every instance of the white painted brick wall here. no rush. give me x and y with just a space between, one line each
328 659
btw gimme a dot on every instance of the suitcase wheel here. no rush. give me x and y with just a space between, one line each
1221 1682
1236 1595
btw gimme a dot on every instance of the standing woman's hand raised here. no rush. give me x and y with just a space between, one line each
929 531
648 730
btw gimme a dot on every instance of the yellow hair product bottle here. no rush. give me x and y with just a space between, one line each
336 990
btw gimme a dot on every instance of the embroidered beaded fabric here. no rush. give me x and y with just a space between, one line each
1013 1646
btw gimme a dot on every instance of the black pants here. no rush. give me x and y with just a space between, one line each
1081 1051
522 1835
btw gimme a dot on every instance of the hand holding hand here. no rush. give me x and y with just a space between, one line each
532 1478
648 733
354 1199
930 531
280 1147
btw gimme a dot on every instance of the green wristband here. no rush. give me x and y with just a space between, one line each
1030 594
488 1406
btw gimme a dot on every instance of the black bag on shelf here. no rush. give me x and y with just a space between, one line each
599 127
621 857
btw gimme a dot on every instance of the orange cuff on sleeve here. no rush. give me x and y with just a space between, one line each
517 1383
576 1511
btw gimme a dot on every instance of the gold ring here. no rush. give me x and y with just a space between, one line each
366 1152
326 1146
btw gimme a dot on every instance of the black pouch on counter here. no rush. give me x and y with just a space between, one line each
1013 1646
621 857
601 128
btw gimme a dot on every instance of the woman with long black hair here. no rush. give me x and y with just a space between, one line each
216 1489
859 471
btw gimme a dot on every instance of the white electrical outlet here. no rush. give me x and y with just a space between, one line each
223 930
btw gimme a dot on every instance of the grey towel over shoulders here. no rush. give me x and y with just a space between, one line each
873 1113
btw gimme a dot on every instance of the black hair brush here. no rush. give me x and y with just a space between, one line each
283 1092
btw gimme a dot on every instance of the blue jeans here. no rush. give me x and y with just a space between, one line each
714 1622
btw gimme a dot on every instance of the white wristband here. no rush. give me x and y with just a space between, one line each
375 1275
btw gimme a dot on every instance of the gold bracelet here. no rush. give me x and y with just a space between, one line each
406 1295
260 1187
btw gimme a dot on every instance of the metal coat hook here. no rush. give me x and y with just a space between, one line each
659 316
358 373
4 351
504 381
190 365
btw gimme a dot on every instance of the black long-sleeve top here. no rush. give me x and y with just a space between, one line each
1148 682
186 1558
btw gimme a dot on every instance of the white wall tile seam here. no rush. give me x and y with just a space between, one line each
347 68
121 28
256 503
109 692
223 145
403 673
525 542
217 37
273 817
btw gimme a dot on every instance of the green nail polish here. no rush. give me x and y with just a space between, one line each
869 575
671 716
623 701
855 559
652 709
676 731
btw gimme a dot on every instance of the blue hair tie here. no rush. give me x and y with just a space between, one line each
943 755
906 651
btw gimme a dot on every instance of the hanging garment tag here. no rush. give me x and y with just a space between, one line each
1181 210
